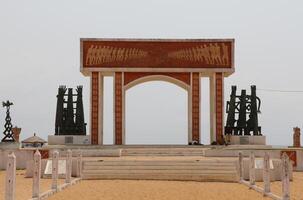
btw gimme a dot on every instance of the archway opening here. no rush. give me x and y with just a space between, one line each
156 112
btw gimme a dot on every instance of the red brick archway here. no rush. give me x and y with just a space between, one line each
182 62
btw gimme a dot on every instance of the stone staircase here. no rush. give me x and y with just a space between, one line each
163 151
170 168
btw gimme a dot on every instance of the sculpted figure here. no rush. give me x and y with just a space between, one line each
225 54
89 55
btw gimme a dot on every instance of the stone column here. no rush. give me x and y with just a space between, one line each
219 106
296 137
285 177
252 174
10 181
55 166
241 166
68 171
212 109
266 173
95 107
118 108
195 83
36 174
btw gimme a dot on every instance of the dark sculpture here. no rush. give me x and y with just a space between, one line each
69 120
8 133
243 106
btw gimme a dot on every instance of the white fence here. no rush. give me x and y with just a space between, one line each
285 175
10 181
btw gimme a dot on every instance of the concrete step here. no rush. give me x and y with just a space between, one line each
157 163
160 171
163 152
171 177
157 167
146 168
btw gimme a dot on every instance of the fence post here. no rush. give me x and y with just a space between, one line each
252 174
68 166
79 162
10 182
241 167
36 174
285 177
266 173
55 158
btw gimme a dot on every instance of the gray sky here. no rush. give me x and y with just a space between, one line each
39 50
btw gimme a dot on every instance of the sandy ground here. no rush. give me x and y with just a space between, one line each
24 185
170 190
143 190
156 190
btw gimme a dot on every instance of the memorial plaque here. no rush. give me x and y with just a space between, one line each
61 168
69 140
244 139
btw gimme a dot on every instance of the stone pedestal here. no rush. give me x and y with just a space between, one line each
68 139
16 133
247 140
296 137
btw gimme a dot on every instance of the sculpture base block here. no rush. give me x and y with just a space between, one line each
68 139
246 140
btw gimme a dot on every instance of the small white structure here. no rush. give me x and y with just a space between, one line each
33 141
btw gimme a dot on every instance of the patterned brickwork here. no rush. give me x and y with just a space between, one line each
118 108
196 107
219 107
132 76
94 107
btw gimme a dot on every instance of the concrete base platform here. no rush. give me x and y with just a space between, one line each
246 140
68 139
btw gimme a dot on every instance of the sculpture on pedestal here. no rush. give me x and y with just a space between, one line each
8 134
243 106
70 114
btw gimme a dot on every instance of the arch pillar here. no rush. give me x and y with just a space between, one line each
219 106
195 107
118 109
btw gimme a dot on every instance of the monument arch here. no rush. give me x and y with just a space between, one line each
182 62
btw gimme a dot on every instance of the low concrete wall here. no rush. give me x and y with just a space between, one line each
22 156
91 152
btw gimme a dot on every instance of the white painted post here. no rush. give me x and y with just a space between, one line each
252 168
266 173
68 166
79 161
10 182
285 177
55 167
36 174
241 167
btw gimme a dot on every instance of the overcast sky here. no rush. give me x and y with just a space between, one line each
39 50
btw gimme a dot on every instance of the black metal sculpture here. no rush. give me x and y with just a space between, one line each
243 106
69 120
8 133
